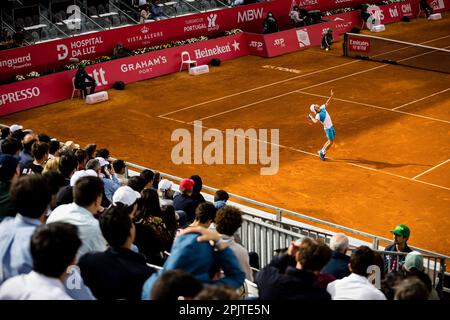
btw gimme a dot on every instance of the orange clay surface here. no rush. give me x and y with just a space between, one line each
369 181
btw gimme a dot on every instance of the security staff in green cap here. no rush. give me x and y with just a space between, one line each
401 235
83 80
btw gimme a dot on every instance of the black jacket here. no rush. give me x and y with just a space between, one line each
293 284
338 265
115 273
80 79
187 204
394 262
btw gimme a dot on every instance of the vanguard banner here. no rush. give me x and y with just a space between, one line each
31 93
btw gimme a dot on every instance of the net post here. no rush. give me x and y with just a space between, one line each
344 44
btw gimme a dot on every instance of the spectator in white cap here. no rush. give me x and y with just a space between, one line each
165 193
108 177
14 128
126 197
413 267
65 195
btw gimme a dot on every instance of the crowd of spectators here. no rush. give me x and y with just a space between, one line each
69 212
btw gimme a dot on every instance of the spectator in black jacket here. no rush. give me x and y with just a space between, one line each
184 201
338 265
198 184
278 282
270 24
401 235
83 80
117 273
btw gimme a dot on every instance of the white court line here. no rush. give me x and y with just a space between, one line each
315 155
376 107
257 88
290 92
417 100
440 164
286 80
316 85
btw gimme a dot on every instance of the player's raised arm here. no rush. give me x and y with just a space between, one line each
329 99
312 118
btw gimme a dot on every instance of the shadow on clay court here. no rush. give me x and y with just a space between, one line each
378 164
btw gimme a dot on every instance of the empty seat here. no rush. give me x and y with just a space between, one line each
63 14
44 34
101 9
36 19
58 17
115 21
20 22
52 33
35 36
28 21
92 11
123 19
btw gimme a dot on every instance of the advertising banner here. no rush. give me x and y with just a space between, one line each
31 93
51 54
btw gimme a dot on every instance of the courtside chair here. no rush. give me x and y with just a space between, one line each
186 59
80 91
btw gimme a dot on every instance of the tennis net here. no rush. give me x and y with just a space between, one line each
385 50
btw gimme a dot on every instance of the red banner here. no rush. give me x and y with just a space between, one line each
344 22
55 53
31 93
297 39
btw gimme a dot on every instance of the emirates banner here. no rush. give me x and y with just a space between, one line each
31 93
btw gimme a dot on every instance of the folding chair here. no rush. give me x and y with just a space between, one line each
80 91
186 59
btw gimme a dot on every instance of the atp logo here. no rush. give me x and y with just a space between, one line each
376 15
212 21
437 4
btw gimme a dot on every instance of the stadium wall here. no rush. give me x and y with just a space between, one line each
248 18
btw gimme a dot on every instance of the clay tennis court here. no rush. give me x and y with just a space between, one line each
390 163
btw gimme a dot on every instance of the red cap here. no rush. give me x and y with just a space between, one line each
186 184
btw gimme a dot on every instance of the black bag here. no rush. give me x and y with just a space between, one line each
215 62
119 85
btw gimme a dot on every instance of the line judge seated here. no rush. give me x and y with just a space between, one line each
83 80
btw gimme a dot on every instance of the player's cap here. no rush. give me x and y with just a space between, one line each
312 108
401 230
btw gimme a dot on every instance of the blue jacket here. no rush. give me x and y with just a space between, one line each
197 258
338 265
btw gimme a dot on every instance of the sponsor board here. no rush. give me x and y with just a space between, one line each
30 93
358 45
19 95
58 52
17 62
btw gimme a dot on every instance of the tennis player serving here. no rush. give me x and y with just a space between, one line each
320 114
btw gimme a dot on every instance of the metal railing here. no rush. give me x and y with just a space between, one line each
267 235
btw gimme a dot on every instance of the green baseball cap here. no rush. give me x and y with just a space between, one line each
401 230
